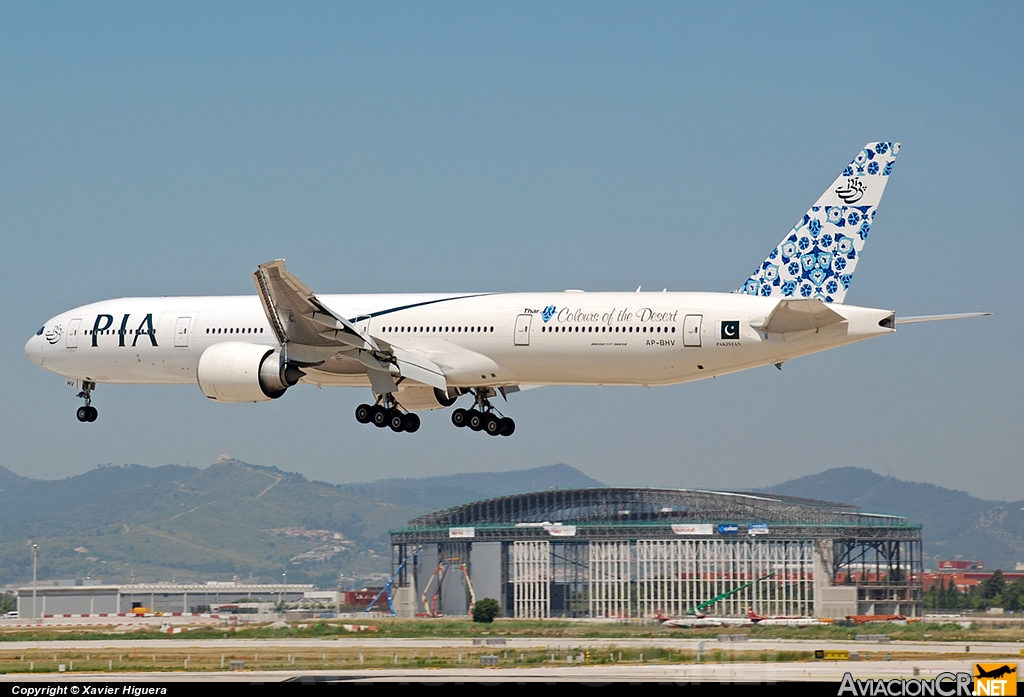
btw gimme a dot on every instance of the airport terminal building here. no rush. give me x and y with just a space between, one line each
637 552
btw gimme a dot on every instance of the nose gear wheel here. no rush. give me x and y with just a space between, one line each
87 413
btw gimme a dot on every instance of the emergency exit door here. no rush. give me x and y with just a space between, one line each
691 330
181 332
522 333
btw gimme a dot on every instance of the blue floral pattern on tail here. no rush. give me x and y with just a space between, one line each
818 256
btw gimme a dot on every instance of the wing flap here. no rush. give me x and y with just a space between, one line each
419 369
799 315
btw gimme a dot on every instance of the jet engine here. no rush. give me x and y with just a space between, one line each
417 398
234 371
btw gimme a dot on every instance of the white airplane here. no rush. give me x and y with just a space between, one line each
701 621
784 621
419 352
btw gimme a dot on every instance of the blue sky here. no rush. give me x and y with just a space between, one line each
167 149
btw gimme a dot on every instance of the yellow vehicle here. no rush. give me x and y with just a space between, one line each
143 611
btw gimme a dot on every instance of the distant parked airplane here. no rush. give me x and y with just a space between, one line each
699 621
866 619
784 621
419 352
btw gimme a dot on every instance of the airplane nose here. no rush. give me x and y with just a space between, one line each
33 348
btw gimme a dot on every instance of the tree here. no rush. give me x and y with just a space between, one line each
992 586
1013 596
486 610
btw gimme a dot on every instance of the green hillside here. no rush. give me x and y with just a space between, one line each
230 519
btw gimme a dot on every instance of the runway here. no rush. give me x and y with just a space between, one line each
688 674
688 644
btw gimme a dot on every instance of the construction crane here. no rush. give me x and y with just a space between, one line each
721 596
387 586
439 573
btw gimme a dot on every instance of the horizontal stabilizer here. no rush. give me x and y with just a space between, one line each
939 318
798 316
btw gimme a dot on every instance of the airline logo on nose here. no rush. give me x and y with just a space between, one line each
53 334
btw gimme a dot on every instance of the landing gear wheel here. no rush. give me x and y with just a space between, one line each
412 423
492 424
379 416
483 416
396 421
86 412
364 413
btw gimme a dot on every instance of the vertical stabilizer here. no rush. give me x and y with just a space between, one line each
818 256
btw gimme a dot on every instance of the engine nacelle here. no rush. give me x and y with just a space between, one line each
417 398
235 371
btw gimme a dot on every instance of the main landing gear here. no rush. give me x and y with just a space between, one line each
88 412
388 415
484 417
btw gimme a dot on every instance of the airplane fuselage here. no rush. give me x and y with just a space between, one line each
420 352
480 340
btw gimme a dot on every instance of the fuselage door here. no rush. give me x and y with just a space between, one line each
181 332
73 329
522 333
691 330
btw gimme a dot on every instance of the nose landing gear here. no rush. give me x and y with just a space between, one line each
484 417
87 413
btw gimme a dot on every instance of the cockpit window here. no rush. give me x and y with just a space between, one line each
40 332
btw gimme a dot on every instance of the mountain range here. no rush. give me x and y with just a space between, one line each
955 524
231 519
237 520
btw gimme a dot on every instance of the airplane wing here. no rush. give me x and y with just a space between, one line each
799 315
297 316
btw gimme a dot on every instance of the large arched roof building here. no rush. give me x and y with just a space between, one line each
637 552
